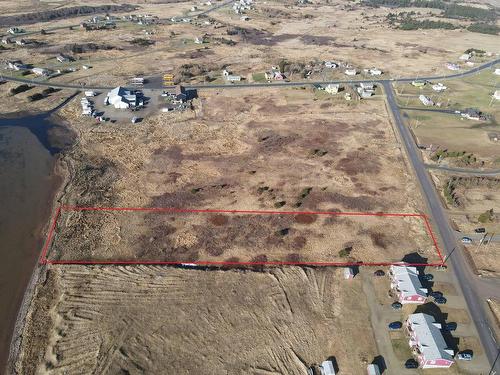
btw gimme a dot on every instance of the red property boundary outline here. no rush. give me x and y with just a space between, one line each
60 209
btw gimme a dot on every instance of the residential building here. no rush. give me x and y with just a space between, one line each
439 87
374 71
16 65
452 66
63 58
426 100
427 342
417 83
496 95
497 71
330 65
40 72
372 369
465 56
348 273
198 40
406 284
332 88
228 76
15 30
327 368
122 98
473 114
351 72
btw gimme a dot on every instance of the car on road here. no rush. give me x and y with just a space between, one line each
440 300
395 325
379 273
411 363
435 294
480 230
451 326
428 277
396 305
466 240
464 356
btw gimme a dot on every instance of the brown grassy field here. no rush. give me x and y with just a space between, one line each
239 150
164 320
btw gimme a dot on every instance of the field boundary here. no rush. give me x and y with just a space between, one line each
50 236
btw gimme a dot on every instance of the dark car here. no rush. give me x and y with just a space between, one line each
379 273
480 230
440 300
451 326
436 294
411 363
428 277
395 325
396 305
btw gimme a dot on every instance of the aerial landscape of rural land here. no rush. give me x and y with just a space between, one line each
250 187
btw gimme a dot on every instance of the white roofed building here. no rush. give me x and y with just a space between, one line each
406 284
121 98
427 342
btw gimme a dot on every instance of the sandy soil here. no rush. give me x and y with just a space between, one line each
188 321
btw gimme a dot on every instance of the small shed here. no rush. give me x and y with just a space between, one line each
327 368
348 273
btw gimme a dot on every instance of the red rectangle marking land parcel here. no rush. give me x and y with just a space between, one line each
213 237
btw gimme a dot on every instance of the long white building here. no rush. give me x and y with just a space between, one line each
406 284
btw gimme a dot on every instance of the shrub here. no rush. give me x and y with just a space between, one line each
486 217
345 252
484 28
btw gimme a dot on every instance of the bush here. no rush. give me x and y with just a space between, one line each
486 217
345 252
19 89
35 97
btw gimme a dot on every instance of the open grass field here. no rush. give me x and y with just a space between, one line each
273 151
157 320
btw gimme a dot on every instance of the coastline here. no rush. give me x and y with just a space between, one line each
60 181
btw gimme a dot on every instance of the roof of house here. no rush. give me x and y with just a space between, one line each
428 332
407 280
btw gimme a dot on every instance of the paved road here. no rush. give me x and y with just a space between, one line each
464 171
462 271
159 86
476 237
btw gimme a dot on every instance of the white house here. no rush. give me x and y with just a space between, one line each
326 368
427 342
497 71
332 88
15 30
121 98
40 71
374 72
330 64
496 95
406 284
439 87
351 72
465 56
348 273
452 66
426 100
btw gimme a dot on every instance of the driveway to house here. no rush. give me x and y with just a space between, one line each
380 317
464 171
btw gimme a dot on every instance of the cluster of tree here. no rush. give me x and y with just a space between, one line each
413 24
484 28
473 13
450 10
61 13
19 89
42 95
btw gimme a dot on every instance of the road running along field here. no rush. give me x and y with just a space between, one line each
275 150
106 319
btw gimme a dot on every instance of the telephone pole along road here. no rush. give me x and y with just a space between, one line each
462 270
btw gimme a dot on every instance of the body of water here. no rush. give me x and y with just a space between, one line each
28 152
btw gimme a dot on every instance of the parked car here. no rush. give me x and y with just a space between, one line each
411 363
379 273
480 230
464 356
435 294
440 300
396 305
395 325
428 277
466 240
451 326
